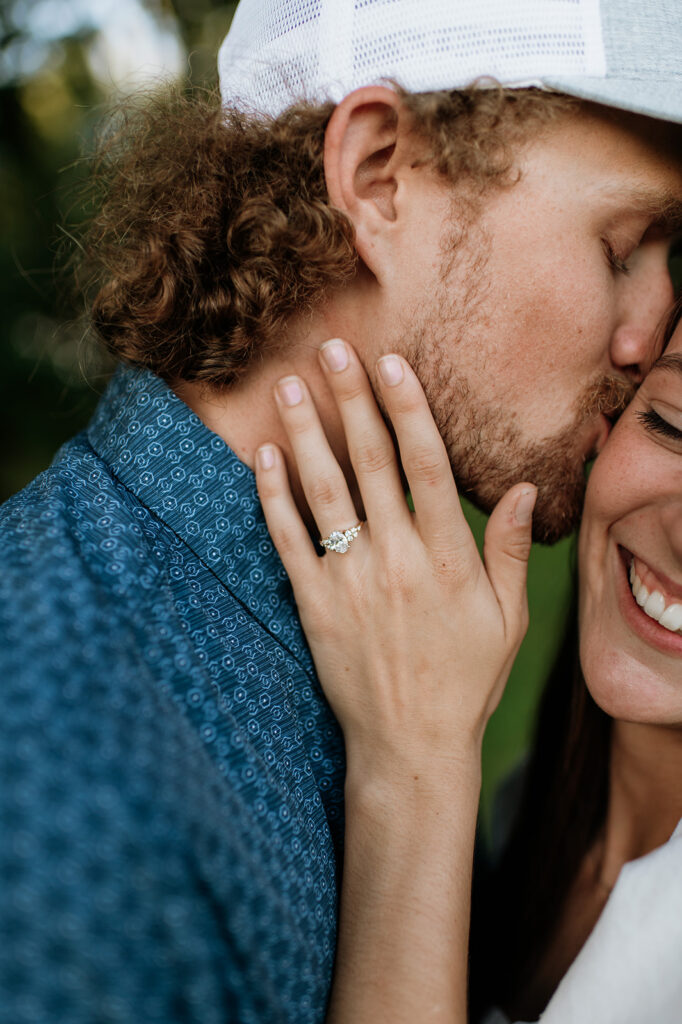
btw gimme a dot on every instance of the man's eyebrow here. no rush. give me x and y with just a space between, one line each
670 361
662 206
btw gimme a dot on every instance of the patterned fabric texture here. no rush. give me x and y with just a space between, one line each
172 777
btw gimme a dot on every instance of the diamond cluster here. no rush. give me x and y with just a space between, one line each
340 540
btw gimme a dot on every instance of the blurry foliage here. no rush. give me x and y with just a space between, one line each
50 104
550 593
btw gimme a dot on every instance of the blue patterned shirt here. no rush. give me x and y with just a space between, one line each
171 807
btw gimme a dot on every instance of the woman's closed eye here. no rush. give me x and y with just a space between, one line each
655 423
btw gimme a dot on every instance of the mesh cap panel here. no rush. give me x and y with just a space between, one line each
625 53
279 51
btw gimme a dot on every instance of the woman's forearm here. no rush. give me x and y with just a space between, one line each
405 904
413 638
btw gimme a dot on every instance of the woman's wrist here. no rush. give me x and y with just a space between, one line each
405 902
384 786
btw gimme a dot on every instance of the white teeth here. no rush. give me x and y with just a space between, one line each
672 618
653 603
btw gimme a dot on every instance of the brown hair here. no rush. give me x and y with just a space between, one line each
211 229
562 809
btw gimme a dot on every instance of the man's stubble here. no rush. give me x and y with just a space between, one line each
487 450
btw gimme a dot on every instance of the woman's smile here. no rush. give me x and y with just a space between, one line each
657 595
642 607
631 555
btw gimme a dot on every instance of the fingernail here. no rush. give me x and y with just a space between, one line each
524 507
290 391
391 370
266 456
335 355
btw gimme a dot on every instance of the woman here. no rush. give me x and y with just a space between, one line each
413 638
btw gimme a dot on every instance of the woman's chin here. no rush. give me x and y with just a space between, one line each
627 690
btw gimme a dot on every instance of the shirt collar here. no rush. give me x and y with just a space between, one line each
191 480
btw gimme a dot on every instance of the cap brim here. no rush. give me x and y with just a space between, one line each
661 99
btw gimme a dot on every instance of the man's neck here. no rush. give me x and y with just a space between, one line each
245 416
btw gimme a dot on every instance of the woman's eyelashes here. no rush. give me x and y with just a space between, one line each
675 264
656 424
616 262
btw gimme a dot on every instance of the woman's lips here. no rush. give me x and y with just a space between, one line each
645 627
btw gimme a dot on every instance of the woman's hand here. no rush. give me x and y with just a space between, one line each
413 636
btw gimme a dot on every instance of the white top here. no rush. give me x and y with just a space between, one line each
630 968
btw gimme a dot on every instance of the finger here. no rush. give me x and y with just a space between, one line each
283 519
425 461
506 550
370 446
323 482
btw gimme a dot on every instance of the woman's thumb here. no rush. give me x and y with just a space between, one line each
506 549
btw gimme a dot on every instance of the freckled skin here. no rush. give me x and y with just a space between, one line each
634 499
509 319
531 312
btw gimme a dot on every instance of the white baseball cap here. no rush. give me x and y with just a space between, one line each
623 53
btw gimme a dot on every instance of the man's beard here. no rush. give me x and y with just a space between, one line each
488 454
486 449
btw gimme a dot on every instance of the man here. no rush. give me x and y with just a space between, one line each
173 805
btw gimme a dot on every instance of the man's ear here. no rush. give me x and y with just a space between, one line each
367 145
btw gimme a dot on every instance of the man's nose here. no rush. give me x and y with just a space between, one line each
645 299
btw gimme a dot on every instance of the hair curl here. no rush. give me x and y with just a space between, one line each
211 229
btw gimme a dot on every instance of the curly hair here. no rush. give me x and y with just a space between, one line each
210 229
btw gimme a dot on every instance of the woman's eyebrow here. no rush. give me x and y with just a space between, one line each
671 361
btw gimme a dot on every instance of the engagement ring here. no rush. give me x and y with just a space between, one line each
340 540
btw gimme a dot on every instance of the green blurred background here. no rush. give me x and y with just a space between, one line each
61 63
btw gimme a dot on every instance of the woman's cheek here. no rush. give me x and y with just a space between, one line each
620 479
